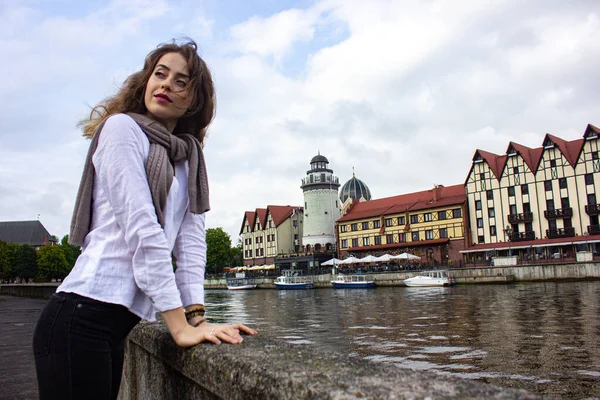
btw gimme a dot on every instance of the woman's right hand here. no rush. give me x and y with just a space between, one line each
215 333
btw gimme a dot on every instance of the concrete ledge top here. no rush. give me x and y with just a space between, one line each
264 367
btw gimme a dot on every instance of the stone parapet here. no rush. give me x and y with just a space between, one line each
264 367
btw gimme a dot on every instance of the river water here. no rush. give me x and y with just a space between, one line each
543 337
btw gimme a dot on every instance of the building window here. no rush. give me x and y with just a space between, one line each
525 189
480 239
377 224
414 219
344 243
550 204
401 220
402 237
562 183
354 242
553 163
491 212
389 239
511 191
429 235
305 206
482 176
441 214
589 179
515 170
478 204
365 226
427 217
480 222
594 155
268 238
354 227
247 228
294 223
366 241
415 236
377 240
457 213
388 222
591 198
492 230
344 228
443 233
489 194
257 239
547 186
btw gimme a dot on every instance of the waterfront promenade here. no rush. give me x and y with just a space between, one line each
18 316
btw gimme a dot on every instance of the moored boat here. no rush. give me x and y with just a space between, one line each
294 282
240 284
429 278
352 282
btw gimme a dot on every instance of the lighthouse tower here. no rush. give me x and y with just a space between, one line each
321 206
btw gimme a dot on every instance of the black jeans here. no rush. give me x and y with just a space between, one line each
79 347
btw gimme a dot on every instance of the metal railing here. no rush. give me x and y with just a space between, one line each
560 232
520 236
559 213
521 217
592 209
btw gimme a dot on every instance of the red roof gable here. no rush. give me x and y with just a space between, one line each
407 202
262 217
280 213
569 149
495 162
531 156
591 130
248 216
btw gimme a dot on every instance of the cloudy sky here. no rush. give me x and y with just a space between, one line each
403 91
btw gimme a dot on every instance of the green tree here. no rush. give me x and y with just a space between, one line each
236 255
52 262
218 250
8 258
25 262
71 252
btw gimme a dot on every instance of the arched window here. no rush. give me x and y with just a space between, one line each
308 248
317 247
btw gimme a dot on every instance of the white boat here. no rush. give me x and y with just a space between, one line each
429 278
294 282
240 284
352 282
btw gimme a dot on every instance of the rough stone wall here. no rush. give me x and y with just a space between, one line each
263 367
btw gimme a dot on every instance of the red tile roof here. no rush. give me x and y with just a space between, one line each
531 156
248 216
407 202
396 245
280 213
262 217
569 149
495 162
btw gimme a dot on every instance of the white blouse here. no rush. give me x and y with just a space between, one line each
126 256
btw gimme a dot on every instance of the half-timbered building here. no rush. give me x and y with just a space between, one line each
535 202
429 223
269 232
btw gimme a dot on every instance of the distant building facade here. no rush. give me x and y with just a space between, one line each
431 224
321 206
268 232
535 202
32 233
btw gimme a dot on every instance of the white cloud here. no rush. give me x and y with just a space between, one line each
402 91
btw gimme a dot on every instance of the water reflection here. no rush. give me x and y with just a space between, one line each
540 337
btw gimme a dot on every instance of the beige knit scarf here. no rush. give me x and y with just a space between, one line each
165 149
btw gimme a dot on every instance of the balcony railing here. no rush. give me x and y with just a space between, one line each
560 233
522 217
520 236
592 209
594 229
559 213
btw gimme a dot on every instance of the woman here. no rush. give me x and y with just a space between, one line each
142 198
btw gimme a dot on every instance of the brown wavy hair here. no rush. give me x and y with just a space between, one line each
130 97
